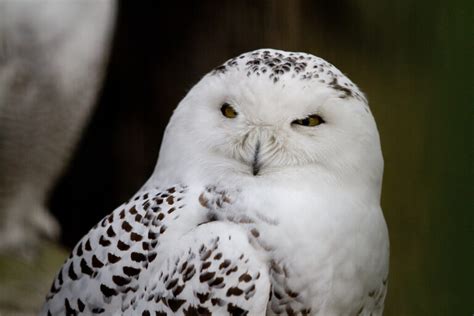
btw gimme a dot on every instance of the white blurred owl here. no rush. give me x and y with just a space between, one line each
52 60
265 201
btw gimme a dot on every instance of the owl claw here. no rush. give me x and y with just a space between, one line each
214 199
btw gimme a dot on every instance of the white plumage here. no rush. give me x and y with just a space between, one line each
52 60
265 200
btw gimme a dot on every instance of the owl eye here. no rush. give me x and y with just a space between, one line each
311 120
228 111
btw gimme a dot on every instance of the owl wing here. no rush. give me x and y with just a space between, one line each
151 256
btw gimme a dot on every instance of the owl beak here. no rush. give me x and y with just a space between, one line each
255 163
256 147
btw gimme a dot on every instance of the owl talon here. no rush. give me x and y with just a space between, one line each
213 199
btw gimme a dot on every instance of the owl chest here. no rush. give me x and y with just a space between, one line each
320 249
324 259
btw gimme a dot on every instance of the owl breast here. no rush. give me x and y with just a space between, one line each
327 249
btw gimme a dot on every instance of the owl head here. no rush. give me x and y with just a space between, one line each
271 114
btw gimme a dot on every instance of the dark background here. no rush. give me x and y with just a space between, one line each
413 59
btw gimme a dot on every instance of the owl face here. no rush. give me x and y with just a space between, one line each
268 112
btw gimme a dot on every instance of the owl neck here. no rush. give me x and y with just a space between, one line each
185 162
203 171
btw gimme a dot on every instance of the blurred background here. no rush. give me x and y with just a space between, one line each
414 61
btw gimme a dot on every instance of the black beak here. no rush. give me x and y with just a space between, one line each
255 163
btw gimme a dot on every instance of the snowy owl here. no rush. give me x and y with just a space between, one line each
52 61
265 201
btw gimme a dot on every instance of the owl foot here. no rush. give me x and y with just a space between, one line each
213 199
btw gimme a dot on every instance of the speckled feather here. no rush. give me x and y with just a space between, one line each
276 65
126 265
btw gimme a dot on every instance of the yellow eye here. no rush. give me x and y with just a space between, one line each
228 111
312 120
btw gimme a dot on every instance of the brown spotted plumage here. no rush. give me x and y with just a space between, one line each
124 271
